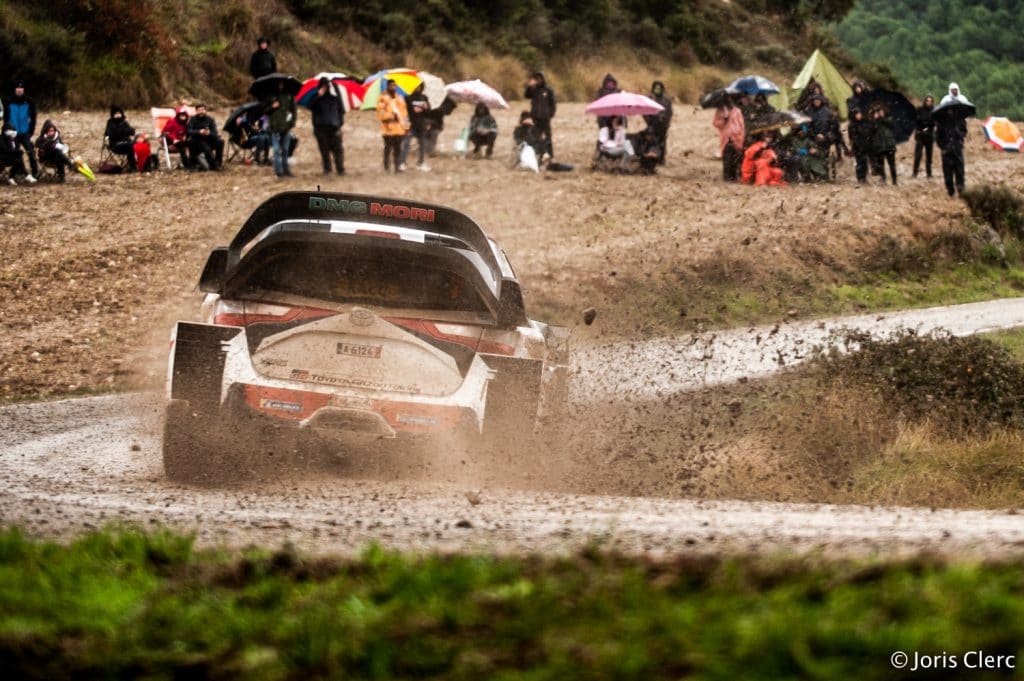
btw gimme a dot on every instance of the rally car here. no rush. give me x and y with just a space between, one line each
358 318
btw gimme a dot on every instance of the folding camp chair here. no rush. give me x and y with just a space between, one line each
160 117
110 159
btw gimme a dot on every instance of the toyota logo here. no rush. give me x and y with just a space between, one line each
360 316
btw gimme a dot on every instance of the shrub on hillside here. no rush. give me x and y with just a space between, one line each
959 385
999 206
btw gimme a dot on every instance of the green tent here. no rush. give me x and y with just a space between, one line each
821 70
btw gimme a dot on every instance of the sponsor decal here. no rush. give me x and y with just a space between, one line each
279 405
337 205
387 210
300 374
390 210
272 362
356 350
350 382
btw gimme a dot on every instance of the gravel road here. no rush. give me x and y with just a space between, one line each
78 464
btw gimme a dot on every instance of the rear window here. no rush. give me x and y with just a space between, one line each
342 279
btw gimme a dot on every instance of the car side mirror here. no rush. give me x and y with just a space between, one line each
212 279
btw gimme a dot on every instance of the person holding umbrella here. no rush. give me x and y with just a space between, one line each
883 143
950 131
609 86
328 118
280 108
394 123
924 136
731 134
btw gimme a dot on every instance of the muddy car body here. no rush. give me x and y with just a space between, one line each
357 318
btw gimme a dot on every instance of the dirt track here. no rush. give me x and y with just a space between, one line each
78 464
91 277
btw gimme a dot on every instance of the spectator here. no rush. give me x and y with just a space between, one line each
175 132
263 62
883 143
527 133
420 121
649 150
860 143
954 96
249 131
857 100
280 108
949 136
821 121
609 86
205 145
11 157
483 130
53 151
766 170
328 119
659 123
20 114
612 138
394 123
542 108
121 136
924 136
731 135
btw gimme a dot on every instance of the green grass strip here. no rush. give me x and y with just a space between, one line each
123 603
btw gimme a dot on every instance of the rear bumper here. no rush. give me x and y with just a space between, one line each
327 413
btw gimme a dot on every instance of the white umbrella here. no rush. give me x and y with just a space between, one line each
476 92
433 88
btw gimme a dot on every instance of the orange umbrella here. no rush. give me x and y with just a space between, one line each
1003 134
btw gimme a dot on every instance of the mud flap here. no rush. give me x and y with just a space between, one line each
197 363
555 382
513 398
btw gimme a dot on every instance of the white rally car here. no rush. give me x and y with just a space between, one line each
356 317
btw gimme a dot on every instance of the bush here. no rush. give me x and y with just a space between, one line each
959 385
999 206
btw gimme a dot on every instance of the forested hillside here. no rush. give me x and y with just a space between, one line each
74 52
978 44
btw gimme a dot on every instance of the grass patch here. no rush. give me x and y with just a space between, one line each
1011 339
967 283
121 603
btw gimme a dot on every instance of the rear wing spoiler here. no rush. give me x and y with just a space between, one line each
363 208
374 210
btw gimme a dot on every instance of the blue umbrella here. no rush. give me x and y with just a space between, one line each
754 85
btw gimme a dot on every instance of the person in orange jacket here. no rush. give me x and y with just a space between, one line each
767 173
748 170
394 123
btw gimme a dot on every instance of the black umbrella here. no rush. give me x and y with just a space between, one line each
230 125
900 110
715 98
265 87
953 111
776 120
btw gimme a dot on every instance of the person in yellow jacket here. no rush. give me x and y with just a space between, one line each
394 123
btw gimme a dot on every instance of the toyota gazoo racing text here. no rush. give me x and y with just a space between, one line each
357 318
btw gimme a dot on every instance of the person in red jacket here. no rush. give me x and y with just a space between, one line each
176 133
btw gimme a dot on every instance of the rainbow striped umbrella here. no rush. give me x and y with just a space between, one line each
407 80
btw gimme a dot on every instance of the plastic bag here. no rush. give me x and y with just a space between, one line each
528 159
461 144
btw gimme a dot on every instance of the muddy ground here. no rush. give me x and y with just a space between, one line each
93 275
